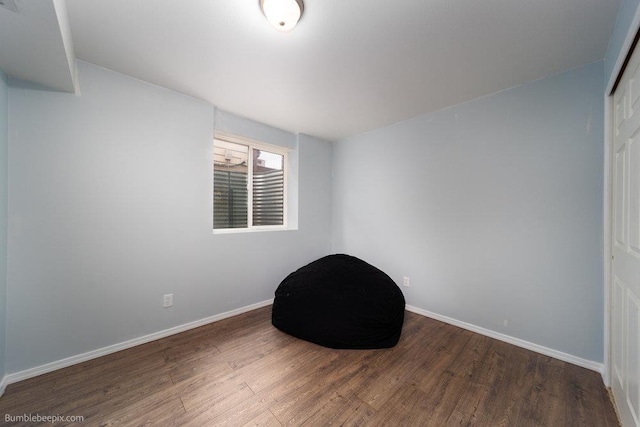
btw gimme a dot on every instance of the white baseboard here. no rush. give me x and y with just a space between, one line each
565 357
63 363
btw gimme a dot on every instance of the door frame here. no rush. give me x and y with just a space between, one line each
634 28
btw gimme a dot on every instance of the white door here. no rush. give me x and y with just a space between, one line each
625 289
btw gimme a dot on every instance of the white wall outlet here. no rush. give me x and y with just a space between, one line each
406 281
506 324
167 300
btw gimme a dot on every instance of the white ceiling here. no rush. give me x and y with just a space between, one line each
350 65
36 44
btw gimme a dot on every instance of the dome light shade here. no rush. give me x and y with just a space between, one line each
282 14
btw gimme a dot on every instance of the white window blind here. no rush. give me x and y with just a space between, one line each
249 185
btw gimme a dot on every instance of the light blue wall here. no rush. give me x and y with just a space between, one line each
4 156
626 13
110 206
493 208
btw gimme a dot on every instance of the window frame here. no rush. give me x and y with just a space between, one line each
252 144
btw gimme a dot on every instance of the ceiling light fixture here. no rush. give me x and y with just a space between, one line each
282 14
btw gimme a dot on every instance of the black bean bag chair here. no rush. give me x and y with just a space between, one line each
340 301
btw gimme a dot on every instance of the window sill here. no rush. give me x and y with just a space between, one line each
251 230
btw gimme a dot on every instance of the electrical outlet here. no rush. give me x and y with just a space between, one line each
406 281
167 300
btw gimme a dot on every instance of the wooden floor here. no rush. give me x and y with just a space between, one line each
242 371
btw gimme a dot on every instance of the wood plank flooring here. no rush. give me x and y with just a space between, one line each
243 371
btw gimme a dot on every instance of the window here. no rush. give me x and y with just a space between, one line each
249 184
